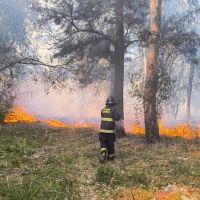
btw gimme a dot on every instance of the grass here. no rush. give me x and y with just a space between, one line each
30 168
108 175
40 163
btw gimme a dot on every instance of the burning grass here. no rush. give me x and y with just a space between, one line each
184 130
18 114
45 163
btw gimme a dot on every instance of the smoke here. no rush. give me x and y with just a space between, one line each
12 19
79 105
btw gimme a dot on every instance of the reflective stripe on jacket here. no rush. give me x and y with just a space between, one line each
107 121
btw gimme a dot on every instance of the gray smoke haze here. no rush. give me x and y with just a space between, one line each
80 105
12 19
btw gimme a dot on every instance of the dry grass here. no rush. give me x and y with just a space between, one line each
40 163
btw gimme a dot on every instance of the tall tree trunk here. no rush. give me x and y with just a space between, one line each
112 81
151 81
189 91
119 57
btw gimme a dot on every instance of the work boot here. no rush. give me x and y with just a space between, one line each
103 157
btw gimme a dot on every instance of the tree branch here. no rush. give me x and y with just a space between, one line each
130 43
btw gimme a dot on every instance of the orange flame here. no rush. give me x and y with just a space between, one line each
55 123
83 125
183 130
19 115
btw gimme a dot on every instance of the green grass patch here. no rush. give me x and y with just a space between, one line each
35 188
109 175
31 169
139 179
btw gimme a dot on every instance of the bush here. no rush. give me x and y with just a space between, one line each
4 109
6 98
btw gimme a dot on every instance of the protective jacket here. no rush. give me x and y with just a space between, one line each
108 117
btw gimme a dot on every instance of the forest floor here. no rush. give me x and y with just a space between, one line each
41 163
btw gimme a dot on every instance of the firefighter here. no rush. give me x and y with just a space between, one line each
107 136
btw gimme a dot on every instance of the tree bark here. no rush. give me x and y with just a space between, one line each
112 81
151 79
119 57
189 92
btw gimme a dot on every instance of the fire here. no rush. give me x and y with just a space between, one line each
183 130
83 125
138 129
17 114
55 123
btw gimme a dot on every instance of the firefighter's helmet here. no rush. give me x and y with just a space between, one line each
110 101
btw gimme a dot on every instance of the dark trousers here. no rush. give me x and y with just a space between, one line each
107 141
